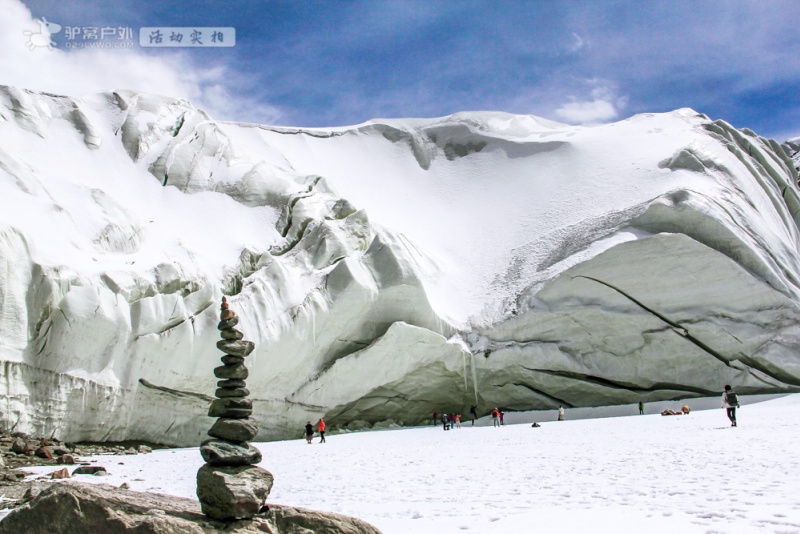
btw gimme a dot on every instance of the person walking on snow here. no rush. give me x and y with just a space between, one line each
641 408
321 429
730 401
473 412
435 418
560 413
502 415
458 420
495 416
309 432
445 422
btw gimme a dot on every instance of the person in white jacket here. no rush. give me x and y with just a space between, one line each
730 404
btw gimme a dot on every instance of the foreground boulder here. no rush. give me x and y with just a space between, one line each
75 507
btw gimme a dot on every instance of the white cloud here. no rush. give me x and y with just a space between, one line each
577 43
581 112
78 72
603 104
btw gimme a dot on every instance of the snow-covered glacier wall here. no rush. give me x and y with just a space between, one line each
383 270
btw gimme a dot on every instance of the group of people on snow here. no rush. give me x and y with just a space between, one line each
730 401
320 429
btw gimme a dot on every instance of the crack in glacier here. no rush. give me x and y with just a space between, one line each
176 392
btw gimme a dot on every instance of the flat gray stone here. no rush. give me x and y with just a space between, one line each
220 452
222 393
237 372
231 333
234 429
232 360
239 347
227 493
231 383
228 323
234 407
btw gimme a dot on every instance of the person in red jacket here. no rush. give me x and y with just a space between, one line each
321 429
495 415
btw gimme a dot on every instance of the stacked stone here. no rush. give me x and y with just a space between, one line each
229 485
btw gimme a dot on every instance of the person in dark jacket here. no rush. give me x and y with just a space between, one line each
309 432
730 401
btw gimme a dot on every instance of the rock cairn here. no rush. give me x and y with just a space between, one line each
229 485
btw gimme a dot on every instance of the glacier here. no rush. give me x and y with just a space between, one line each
384 270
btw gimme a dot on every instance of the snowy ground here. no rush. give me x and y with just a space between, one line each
630 474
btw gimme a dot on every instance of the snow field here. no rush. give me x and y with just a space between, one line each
687 474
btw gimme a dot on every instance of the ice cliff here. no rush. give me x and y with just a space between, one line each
383 270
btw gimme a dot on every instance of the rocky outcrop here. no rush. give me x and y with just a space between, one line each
74 507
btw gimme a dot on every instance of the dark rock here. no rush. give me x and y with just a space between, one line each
227 493
236 347
231 392
231 333
229 323
66 459
234 429
44 452
233 413
99 508
232 360
20 446
235 407
231 384
59 450
224 453
238 372
88 470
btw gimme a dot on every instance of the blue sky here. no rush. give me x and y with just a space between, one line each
315 63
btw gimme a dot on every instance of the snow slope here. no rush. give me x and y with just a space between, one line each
384 267
688 474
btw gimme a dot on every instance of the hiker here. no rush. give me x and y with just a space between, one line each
730 401
321 429
502 415
309 432
445 421
495 415
435 418
473 412
560 413
641 408
458 420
